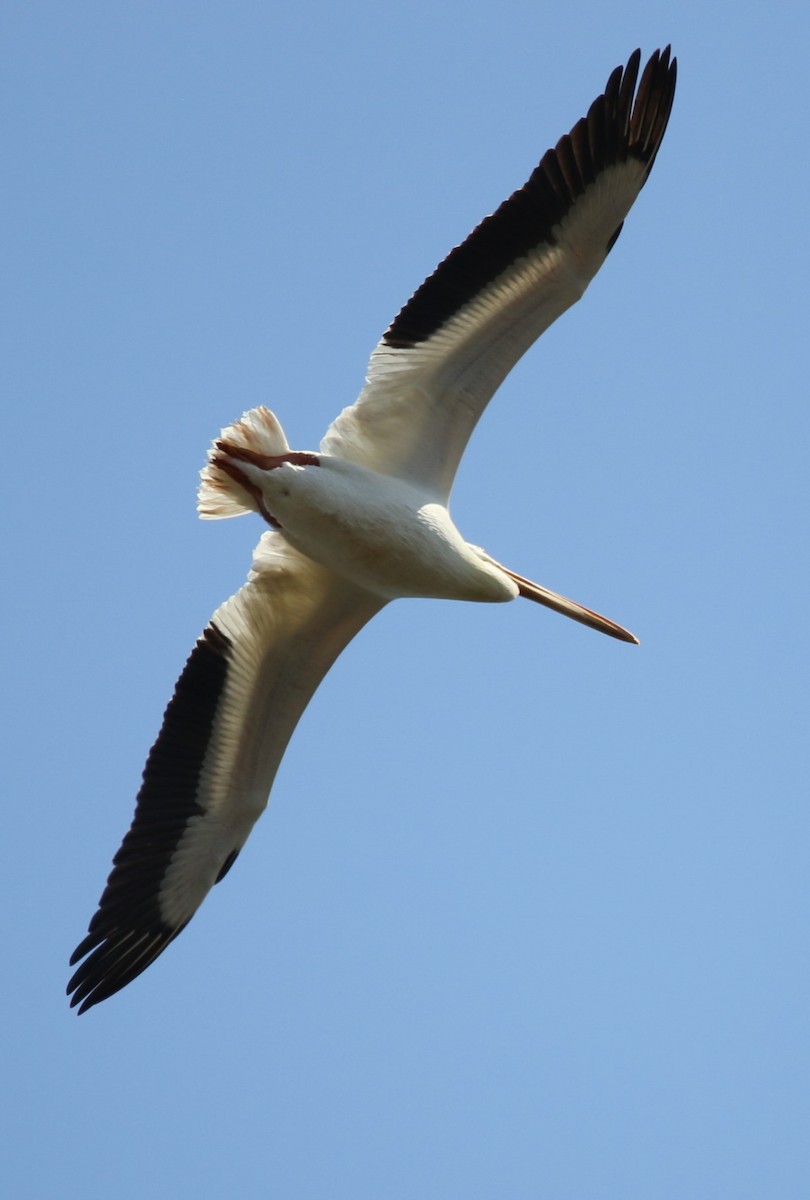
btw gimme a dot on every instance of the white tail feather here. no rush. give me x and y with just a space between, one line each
219 495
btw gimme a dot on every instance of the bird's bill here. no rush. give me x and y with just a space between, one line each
570 608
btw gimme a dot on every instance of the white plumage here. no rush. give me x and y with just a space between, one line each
362 521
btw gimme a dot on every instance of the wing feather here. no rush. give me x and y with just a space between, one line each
445 354
209 774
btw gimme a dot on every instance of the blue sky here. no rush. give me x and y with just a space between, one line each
527 915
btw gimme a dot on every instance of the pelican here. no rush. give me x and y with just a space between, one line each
362 521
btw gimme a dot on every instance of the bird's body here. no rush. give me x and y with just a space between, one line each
376 531
362 521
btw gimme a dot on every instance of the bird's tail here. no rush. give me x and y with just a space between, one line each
220 494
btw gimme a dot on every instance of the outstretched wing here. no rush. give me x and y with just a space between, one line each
460 334
208 776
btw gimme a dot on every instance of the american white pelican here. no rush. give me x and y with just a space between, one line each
362 521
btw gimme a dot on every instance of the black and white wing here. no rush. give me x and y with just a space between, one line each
460 334
208 776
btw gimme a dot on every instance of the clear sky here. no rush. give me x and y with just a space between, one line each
528 913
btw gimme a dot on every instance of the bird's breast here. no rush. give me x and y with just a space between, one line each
380 533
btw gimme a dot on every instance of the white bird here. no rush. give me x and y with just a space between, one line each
363 521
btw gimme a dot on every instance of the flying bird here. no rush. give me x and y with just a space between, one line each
362 521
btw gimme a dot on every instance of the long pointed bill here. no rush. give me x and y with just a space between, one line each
569 608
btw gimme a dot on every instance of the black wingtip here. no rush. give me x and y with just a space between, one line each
625 121
118 958
128 932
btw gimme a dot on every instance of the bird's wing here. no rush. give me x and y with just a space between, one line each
441 360
207 778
